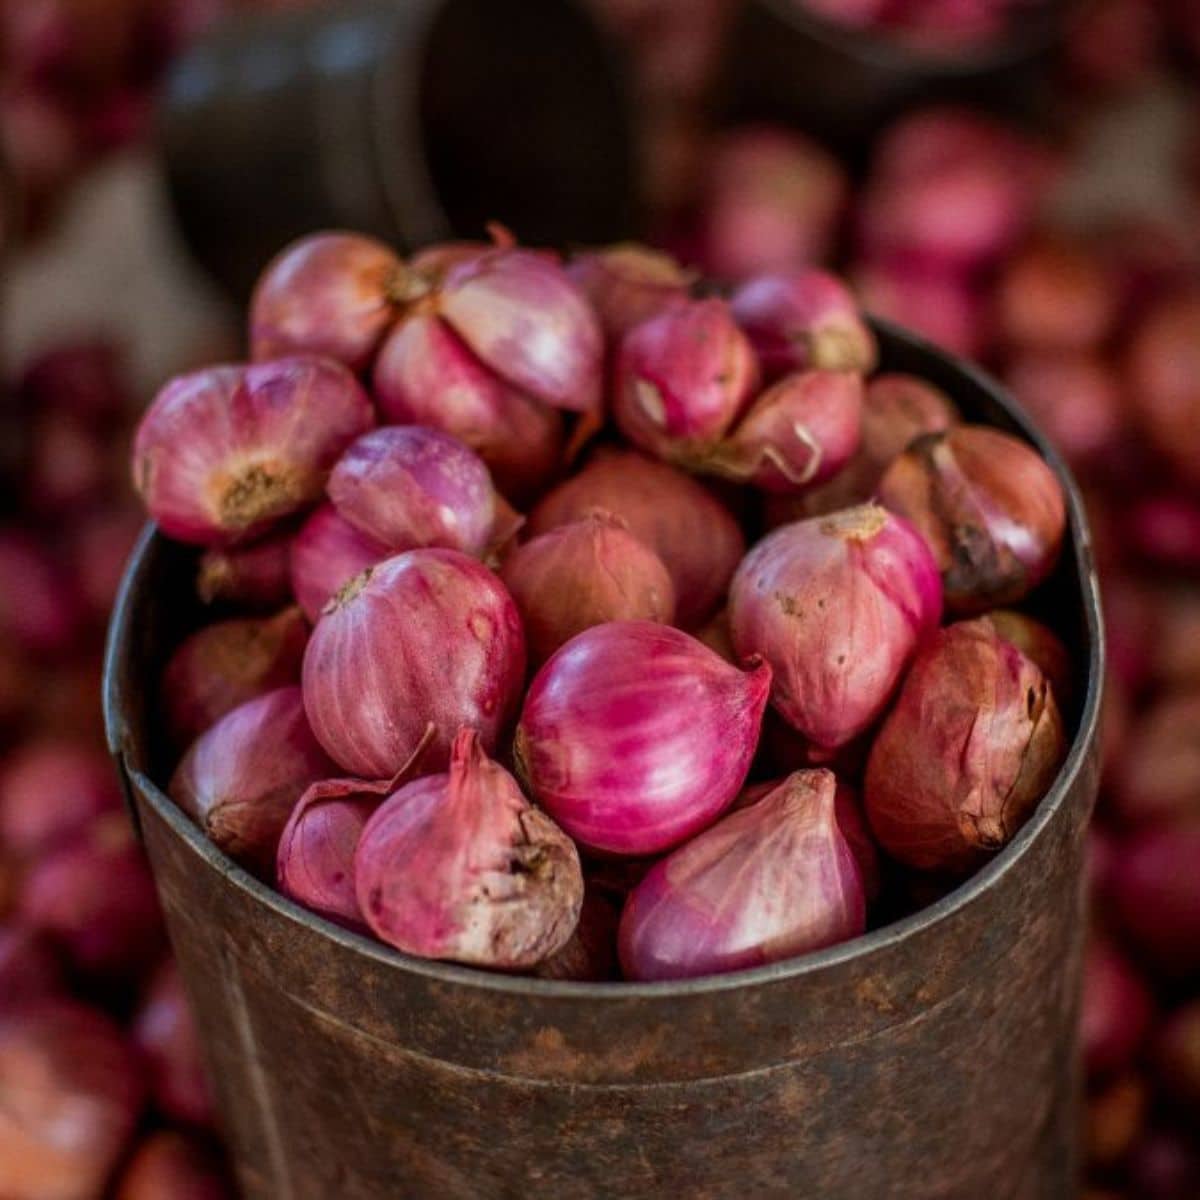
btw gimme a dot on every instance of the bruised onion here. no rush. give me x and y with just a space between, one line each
634 736
583 574
255 575
412 650
221 666
990 508
241 779
697 539
970 747
837 605
590 954
461 866
629 283
222 454
326 554
769 881
169 1165
1117 1009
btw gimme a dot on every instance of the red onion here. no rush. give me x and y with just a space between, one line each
426 375
837 605
634 736
1165 1165
692 532
585 574
94 898
327 553
256 576
1115 1117
590 955
70 1096
329 294
405 486
1117 1009
39 610
51 789
315 862
29 968
412 650
462 866
971 746
1042 646
771 881
165 1035
804 318
629 283
1177 1056
241 779
220 667
171 1166
991 510
223 453
1157 777
682 380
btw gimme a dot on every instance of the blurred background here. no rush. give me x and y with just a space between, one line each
1018 180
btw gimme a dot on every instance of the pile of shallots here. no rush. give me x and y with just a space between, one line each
574 623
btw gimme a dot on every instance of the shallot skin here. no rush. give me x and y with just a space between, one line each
770 881
255 576
634 736
326 554
629 283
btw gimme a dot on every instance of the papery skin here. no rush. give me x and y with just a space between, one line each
221 666
329 294
255 576
426 375
222 454
461 866
989 507
635 736
590 954
1042 646
326 554
768 882
837 605
682 379
415 648
406 486
168 1165
583 574
241 779
971 746
628 283
804 319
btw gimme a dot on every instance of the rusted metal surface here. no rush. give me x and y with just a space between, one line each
930 1060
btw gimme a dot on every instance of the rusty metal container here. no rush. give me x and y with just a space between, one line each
933 1059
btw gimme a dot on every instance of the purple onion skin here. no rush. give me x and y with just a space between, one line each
327 553
426 375
254 576
629 283
414 649
635 736
461 866
406 486
837 605
771 881
241 779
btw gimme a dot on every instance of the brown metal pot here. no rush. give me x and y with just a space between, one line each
933 1059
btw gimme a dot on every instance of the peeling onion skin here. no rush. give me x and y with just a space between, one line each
971 746
628 283
327 553
635 736
411 651
223 454
837 605
241 779
990 508
461 866
768 882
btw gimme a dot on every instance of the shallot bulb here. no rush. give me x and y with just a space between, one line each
990 508
405 486
169 1165
461 866
802 319
590 955
697 539
327 553
1042 646
773 880
635 736
837 605
585 574
629 283
223 665
329 294
222 454
970 747
255 576
682 380
410 652
241 779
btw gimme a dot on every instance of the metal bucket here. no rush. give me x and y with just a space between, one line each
413 120
933 1059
